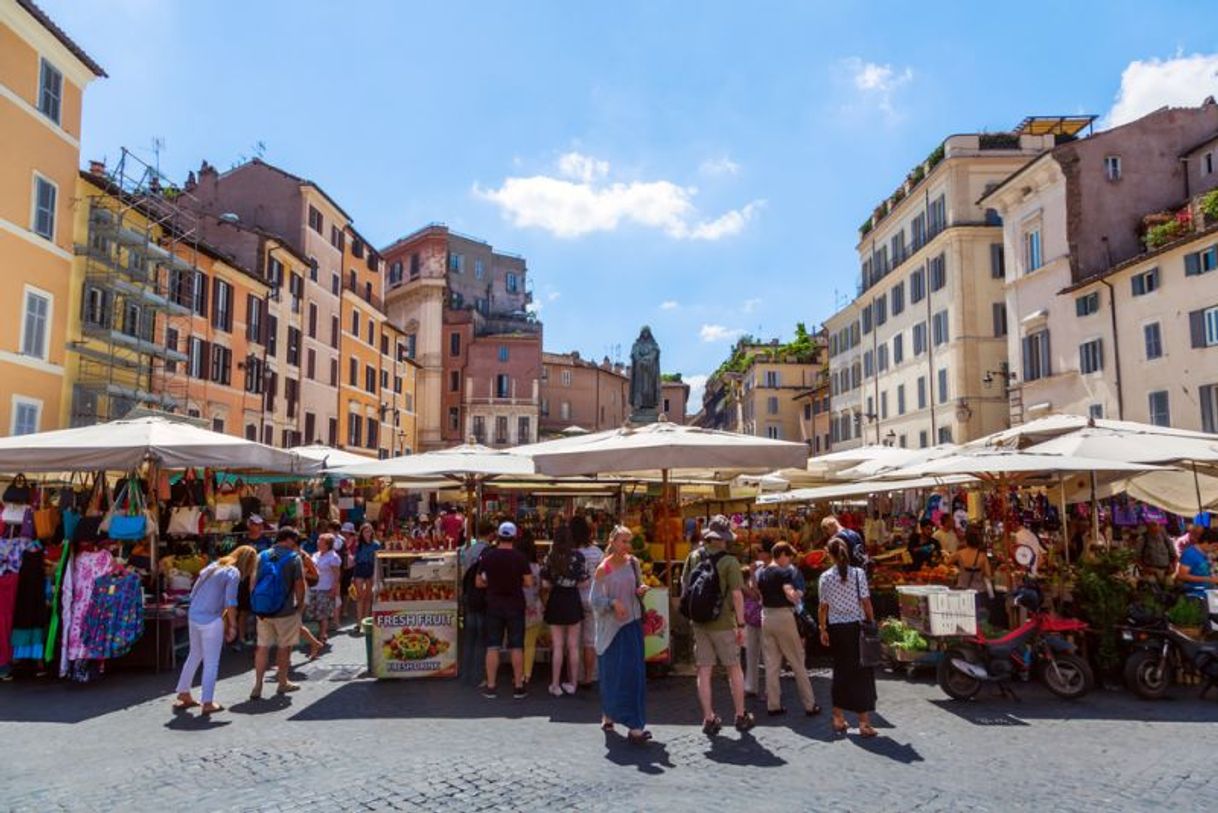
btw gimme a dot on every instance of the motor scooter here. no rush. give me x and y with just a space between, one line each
1160 649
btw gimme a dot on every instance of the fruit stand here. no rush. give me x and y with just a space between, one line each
414 615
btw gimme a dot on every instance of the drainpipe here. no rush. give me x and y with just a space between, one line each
930 352
1116 348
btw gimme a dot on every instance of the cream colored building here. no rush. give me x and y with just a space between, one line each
1098 325
770 389
930 311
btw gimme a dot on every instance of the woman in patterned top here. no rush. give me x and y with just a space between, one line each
844 603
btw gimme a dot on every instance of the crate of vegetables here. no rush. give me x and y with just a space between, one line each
937 611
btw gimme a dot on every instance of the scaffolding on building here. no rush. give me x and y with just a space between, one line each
141 280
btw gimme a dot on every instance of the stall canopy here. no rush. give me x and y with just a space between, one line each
1132 446
663 446
125 444
467 463
329 457
1051 426
984 463
847 490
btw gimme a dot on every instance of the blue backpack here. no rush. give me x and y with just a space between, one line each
271 589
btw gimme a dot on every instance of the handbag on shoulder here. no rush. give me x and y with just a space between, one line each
871 649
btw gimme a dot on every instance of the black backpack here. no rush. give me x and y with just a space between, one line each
475 596
702 598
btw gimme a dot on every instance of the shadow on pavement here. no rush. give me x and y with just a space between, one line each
189 721
885 746
1036 703
651 758
744 751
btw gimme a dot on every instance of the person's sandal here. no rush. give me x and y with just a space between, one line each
812 712
183 705
712 726
641 738
212 708
285 688
745 721
867 731
840 728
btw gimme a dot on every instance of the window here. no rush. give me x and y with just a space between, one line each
524 430
1091 356
198 294
50 91
27 414
311 364
1209 407
222 306
333 372
919 338
945 434
1145 283
296 289
1000 318
415 266
565 378
917 232
917 286
503 353
898 348
253 318
866 319
512 282
937 215
316 223
45 195
881 309
455 262
332 432
355 430
221 364
943 385
939 331
1207 164
868 364
369 378
773 432
337 238
355 323
373 433
171 343
35 324
998 264
884 405
1159 408
503 386
772 379
294 346
1036 364
454 344
771 405
1201 262
412 344
196 351
1031 251
1087 304
898 298
336 283
479 269
1095 411
900 399
352 281
1154 341
395 272
254 375
922 439
367 291
881 358
312 320
353 371
384 379
334 330
501 429
898 248
564 410
1112 167
937 266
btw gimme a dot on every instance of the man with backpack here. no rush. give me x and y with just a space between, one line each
712 598
277 595
473 640
853 539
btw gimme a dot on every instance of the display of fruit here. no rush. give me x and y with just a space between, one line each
409 644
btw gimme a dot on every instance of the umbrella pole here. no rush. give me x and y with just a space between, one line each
1095 518
1061 484
1197 488
470 511
669 550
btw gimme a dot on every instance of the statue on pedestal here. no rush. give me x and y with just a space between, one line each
645 378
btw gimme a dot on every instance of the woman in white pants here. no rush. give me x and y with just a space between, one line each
212 620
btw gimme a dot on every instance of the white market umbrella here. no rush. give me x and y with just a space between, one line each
840 491
988 463
880 465
1052 426
124 445
329 457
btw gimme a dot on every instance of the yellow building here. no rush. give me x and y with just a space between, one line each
43 75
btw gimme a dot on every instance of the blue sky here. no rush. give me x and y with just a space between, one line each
701 167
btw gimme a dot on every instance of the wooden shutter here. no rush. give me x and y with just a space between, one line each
1196 327
1027 357
1207 408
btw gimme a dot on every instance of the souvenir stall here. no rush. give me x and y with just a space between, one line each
101 538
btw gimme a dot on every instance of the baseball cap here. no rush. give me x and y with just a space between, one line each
507 530
348 528
719 528
255 519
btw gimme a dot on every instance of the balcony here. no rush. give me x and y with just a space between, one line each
505 324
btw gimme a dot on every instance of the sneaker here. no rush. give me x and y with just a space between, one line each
520 693
569 688
555 690
745 721
712 727
489 692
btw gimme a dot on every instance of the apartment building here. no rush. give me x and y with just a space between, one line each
845 377
815 411
583 393
1109 296
755 391
931 312
463 309
336 333
43 76
674 397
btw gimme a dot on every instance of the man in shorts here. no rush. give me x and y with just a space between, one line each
719 641
280 629
505 572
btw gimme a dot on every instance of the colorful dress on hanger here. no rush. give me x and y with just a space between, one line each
86 568
31 613
11 551
115 620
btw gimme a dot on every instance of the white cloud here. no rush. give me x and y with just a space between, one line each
553 296
750 305
1147 85
582 167
582 202
719 166
877 84
697 386
718 333
669 305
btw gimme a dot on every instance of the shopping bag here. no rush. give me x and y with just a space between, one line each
13 514
46 522
127 518
18 491
227 511
186 521
71 518
372 510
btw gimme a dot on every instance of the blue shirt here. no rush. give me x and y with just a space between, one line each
1198 564
365 559
215 589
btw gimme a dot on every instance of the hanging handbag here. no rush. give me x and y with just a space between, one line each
46 522
18 491
185 520
871 649
372 510
250 502
129 522
13 514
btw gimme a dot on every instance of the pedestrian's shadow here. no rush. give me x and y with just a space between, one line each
744 751
651 758
183 721
885 746
276 702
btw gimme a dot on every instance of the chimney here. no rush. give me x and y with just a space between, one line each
97 168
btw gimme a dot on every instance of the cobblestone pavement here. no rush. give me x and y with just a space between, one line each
348 743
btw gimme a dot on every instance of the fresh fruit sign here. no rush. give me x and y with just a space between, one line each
414 642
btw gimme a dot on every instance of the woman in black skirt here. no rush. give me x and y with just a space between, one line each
564 613
844 603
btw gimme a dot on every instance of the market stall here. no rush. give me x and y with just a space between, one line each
414 615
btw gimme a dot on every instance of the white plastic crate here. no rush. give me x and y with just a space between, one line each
935 610
1211 599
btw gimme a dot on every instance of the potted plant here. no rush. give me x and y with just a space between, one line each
1103 592
1189 615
